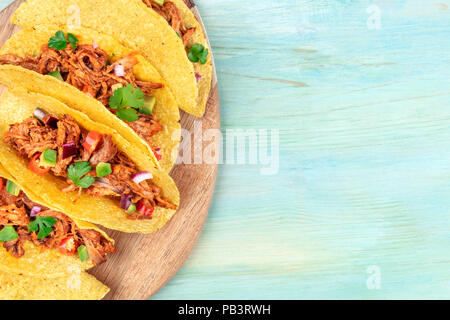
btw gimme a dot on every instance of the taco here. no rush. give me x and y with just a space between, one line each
121 88
82 168
137 27
37 240
80 286
185 24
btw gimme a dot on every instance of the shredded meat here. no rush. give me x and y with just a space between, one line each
14 247
7 198
87 69
11 215
147 127
68 132
170 12
97 246
105 152
32 137
16 215
28 62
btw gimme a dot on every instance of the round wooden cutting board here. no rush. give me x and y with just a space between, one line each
143 264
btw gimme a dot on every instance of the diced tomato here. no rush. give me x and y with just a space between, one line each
35 165
92 141
142 208
68 246
2 184
157 153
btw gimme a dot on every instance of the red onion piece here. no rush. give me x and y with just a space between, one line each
198 77
94 44
34 211
69 149
142 176
51 121
125 201
47 119
119 70
40 114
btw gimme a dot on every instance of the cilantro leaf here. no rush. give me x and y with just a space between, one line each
198 53
76 173
58 41
86 182
73 40
197 48
129 115
8 233
125 100
203 57
116 99
43 224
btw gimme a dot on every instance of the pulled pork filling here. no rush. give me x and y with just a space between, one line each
32 137
173 16
88 69
15 211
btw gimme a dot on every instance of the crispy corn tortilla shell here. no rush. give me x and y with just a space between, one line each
132 24
18 105
204 70
49 262
27 42
78 286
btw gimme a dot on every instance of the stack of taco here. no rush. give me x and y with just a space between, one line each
90 129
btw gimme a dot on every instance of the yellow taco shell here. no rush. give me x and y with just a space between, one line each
78 286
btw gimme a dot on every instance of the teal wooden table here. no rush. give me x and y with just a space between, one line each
359 91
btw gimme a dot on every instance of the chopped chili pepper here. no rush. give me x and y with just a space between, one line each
35 165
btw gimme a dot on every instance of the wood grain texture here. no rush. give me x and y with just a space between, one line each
364 119
144 263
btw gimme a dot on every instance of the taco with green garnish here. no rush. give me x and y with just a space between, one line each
94 74
166 34
81 167
185 24
36 240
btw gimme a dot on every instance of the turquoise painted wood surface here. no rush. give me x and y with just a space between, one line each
359 91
